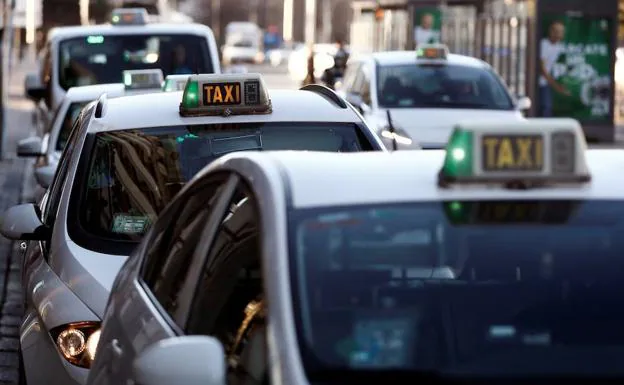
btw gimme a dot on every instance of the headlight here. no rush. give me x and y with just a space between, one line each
77 342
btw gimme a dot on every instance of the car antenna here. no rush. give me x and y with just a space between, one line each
391 128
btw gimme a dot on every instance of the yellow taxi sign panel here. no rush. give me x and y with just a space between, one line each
432 51
225 94
175 83
129 16
143 79
537 149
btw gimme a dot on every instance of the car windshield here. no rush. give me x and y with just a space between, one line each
102 59
440 86
68 122
460 288
131 175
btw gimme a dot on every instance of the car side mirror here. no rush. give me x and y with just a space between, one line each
44 175
30 147
198 360
523 103
22 222
35 90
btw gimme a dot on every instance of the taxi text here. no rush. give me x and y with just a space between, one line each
512 152
222 94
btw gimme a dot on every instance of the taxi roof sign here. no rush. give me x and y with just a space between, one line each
527 152
129 16
225 94
175 83
432 51
143 79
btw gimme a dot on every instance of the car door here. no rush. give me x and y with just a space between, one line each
144 306
228 300
49 209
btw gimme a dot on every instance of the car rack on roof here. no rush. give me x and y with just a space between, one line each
326 92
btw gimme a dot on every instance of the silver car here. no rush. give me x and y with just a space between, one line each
125 161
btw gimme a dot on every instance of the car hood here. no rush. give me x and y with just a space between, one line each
88 274
431 128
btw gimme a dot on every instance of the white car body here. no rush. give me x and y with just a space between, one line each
426 127
67 272
144 340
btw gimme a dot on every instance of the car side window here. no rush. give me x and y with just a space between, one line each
170 251
229 298
56 188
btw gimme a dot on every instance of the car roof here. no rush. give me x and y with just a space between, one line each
406 176
388 58
92 92
162 109
59 33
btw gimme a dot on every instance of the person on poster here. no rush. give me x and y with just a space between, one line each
424 33
551 47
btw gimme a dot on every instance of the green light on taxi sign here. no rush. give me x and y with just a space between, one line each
459 158
190 98
225 94
432 51
129 16
529 151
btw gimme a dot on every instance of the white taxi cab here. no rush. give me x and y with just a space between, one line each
418 96
97 54
123 163
47 149
499 258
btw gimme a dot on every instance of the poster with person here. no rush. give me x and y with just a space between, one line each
574 73
428 24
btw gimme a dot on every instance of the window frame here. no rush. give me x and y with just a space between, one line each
204 259
60 175
163 227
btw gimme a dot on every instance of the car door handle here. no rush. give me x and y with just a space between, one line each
116 348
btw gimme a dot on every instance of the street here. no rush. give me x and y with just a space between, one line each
18 125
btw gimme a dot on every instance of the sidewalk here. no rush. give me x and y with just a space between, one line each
18 115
